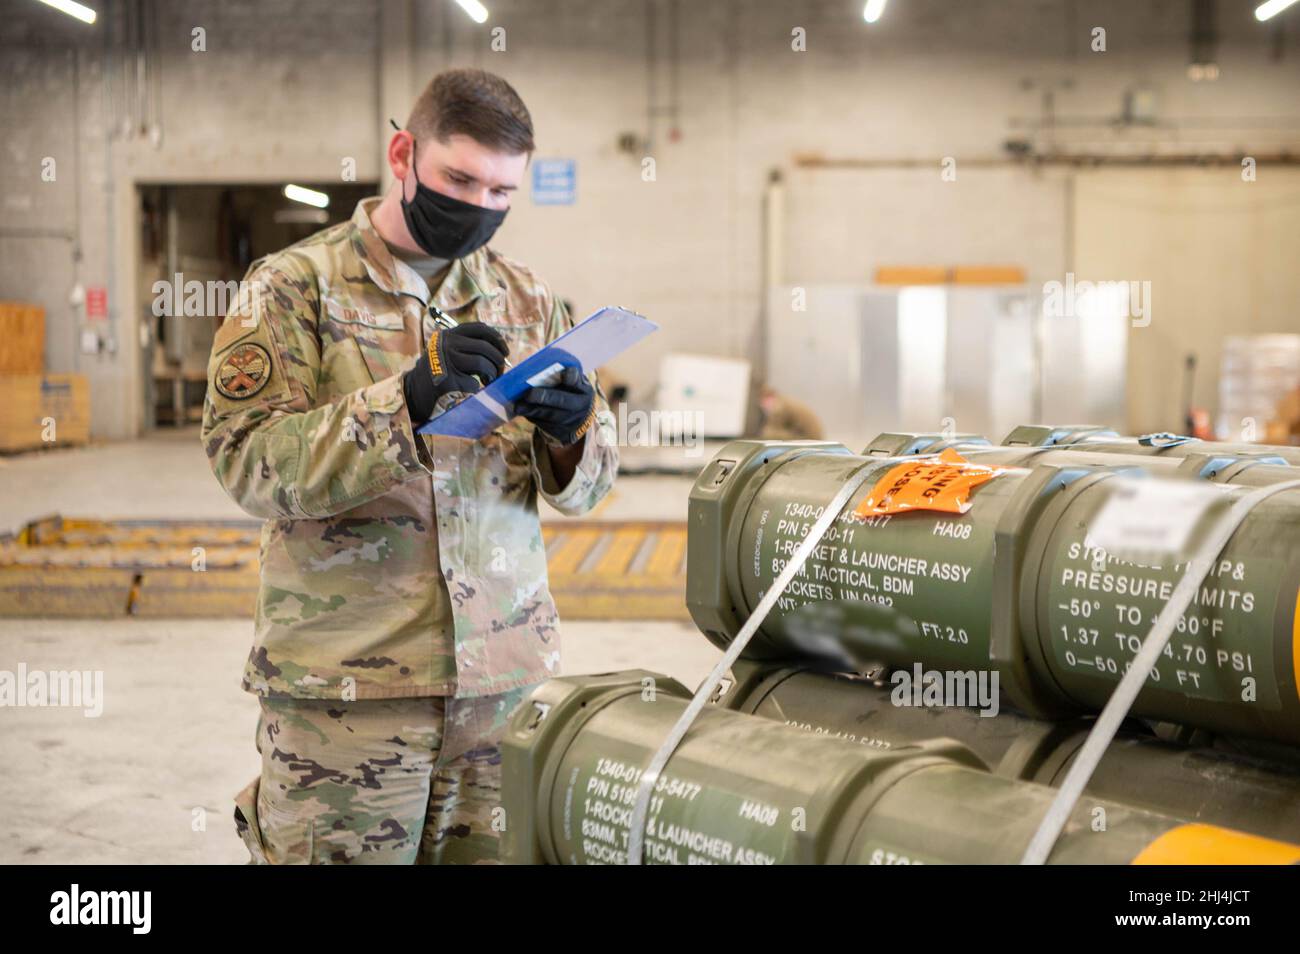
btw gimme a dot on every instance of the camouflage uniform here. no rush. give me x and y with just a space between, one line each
393 565
383 781
785 419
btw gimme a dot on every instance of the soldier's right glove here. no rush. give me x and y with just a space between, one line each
464 358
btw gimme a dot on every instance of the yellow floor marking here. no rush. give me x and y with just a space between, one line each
666 560
622 549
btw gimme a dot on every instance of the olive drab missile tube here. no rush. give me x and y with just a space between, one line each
1012 585
1232 784
745 790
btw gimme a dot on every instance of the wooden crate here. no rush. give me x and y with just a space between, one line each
29 402
22 338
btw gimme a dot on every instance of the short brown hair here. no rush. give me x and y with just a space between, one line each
473 103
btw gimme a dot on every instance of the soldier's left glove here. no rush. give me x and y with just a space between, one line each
563 412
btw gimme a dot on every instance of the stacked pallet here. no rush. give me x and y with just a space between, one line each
36 409
1257 377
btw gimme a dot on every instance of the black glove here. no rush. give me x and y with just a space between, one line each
464 358
564 411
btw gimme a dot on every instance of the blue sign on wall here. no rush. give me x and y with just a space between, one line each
555 181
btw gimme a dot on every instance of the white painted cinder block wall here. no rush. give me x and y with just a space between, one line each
289 88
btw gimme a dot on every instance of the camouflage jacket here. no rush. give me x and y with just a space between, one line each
392 563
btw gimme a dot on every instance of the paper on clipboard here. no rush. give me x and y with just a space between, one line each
589 344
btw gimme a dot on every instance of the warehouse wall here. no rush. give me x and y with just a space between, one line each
1220 254
281 92
292 88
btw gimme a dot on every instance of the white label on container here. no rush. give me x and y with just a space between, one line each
1150 516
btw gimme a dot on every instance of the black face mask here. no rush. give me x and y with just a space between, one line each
446 227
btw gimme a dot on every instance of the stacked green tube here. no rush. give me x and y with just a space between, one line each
745 790
1010 587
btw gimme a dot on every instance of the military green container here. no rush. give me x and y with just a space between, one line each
909 443
1009 586
1084 436
1150 445
745 790
1086 445
1220 785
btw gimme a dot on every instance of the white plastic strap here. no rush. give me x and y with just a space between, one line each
1121 700
649 777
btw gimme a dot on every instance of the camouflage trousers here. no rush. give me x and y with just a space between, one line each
382 781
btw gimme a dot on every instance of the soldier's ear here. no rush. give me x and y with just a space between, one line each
401 154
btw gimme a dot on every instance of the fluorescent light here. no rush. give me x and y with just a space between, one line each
306 196
1262 12
87 15
477 12
874 8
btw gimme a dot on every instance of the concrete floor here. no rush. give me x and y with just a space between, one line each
167 476
152 779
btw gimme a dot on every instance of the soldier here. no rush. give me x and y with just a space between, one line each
403 610
785 419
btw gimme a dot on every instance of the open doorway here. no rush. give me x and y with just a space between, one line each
209 234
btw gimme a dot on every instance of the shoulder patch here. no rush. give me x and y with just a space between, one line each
243 372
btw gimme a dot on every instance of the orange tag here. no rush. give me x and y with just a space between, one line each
927 484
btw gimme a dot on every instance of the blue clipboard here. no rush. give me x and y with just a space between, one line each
589 344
